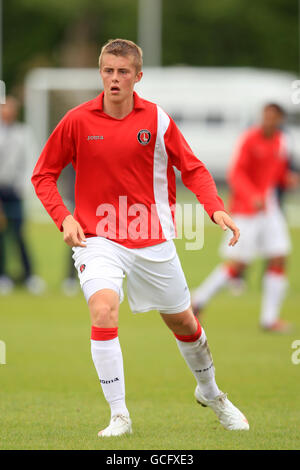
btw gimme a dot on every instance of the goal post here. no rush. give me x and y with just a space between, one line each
49 94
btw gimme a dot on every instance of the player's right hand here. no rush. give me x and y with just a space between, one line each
293 180
73 233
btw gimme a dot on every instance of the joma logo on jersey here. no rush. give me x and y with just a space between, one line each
144 136
95 137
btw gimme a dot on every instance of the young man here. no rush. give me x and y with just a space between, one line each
260 165
123 149
16 149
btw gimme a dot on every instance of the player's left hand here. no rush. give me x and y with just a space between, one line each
225 221
3 222
293 180
3 219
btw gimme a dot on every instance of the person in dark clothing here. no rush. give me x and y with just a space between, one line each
16 146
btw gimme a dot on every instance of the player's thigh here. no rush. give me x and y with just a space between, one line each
158 285
99 267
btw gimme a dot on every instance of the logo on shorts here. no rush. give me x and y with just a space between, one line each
82 268
144 136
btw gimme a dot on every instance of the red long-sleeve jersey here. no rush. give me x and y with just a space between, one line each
260 164
125 187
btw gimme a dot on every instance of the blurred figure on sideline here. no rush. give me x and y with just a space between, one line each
70 284
261 164
16 149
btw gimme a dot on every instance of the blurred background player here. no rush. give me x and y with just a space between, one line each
260 166
70 284
16 150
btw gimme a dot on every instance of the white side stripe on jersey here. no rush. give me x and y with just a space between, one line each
285 146
160 180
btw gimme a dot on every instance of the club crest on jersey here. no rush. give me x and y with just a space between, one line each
82 268
144 136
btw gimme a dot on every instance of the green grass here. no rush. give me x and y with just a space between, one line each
50 397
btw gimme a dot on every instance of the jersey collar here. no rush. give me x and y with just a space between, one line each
138 102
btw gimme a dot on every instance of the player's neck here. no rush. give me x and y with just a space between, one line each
268 133
118 110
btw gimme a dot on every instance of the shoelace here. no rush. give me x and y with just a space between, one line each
227 411
124 418
222 398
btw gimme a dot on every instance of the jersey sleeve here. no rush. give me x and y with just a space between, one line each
194 174
58 152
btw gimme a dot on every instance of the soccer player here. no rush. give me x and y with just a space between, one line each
123 149
260 165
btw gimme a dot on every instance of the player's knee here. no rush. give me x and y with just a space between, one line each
235 269
103 314
276 263
188 323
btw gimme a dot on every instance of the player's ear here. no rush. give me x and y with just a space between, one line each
138 77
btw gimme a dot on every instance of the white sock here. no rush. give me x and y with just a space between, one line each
199 359
212 284
274 289
108 360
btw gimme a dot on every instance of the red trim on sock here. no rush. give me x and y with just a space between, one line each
103 334
276 270
190 338
232 271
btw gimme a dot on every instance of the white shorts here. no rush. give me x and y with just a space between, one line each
155 279
264 234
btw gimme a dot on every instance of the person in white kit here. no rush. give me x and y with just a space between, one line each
17 148
260 165
123 149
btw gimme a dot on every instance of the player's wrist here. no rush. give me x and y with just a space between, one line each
217 214
68 218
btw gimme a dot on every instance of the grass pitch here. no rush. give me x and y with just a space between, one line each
50 397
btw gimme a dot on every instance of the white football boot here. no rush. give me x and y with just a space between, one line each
35 285
119 424
6 285
229 416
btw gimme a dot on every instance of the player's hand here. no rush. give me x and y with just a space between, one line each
3 221
225 221
293 180
73 233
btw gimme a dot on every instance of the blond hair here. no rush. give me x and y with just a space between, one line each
123 47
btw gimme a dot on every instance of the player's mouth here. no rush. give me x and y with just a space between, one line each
114 89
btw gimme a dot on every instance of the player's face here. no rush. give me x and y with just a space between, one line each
9 112
271 120
119 75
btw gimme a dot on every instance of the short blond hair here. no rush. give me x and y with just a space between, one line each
123 47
